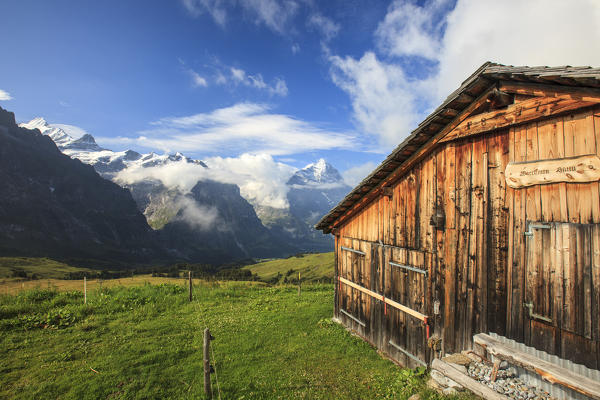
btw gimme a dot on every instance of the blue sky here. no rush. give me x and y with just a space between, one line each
294 80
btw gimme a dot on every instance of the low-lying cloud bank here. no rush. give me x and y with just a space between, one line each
196 215
262 180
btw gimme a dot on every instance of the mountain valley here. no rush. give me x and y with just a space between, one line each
212 222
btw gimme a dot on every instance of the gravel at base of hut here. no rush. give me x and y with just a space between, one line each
506 382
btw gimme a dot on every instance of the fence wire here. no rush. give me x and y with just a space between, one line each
202 323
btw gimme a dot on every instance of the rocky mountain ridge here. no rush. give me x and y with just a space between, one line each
107 162
53 205
312 191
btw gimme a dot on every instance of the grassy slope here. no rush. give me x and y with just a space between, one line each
311 266
42 267
16 285
146 342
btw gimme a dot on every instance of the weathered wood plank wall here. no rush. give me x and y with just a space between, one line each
481 266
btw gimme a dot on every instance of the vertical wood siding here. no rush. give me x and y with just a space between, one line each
481 268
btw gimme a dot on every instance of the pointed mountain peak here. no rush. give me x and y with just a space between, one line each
84 143
87 138
36 123
319 168
39 121
320 172
320 164
58 135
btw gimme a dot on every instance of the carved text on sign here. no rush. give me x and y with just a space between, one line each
573 169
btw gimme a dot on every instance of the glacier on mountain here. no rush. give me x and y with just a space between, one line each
283 198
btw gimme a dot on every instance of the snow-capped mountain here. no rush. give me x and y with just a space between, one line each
58 135
312 191
106 162
320 174
55 206
211 223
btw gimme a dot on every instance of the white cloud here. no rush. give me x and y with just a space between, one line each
353 176
233 76
326 26
261 180
388 103
239 77
182 175
280 87
274 14
510 34
384 100
197 80
411 30
242 128
216 9
5 95
197 215
295 48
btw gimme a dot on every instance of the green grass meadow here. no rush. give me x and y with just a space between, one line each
145 342
312 268
41 267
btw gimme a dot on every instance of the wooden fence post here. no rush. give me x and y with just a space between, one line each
207 389
84 290
190 280
299 284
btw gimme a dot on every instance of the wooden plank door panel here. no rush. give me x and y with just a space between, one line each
408 288
561 290
540 323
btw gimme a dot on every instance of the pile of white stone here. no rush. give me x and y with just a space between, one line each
506 381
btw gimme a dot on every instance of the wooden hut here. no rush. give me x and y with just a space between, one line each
485 219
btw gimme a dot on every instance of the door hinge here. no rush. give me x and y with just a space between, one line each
533 315
535 226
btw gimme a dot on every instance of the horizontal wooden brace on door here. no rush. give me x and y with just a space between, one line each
409 268
409 355
392 303
362 253
352 317
379 243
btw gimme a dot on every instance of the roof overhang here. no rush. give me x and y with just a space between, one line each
482 86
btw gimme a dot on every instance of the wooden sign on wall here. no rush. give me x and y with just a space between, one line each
573 169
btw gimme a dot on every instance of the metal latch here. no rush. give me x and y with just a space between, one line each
533 315
536 226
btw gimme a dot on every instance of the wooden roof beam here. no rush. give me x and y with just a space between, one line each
543 90
499 99
525 111
465 97
450 112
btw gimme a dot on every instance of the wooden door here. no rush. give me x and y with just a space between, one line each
561 290
353 304
408 279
